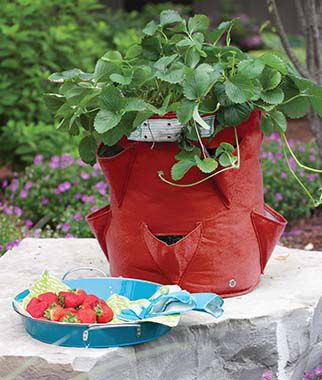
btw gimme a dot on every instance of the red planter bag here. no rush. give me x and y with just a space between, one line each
226 233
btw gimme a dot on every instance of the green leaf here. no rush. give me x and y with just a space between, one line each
198 23
106 120
270 78
104 69
196 84
207 165
111 99
113 56
65 75
275 96
188 155
199 120
162 63
192 57
54 101
180 168
272 60
220 30
185 111
315 96
118 78
226 146
225 159
279 120
251 68
296 108
114 135
87 149
141 117
234 115
135 104
267 125
171 76
169 17
150 28
239 89
133 51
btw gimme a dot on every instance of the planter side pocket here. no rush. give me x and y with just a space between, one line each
268 228
99 221
117 170
174 259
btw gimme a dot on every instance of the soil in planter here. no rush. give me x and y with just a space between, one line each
110 151
170 239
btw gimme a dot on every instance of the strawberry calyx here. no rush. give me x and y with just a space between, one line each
98 310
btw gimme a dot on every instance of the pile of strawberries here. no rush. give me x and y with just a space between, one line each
73 306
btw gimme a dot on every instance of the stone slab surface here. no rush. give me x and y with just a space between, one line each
278 326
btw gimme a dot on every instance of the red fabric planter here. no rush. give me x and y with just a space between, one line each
229 232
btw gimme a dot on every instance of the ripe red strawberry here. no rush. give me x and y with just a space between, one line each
86 316
90 302
55 312
69 299
81 294
36 308
48 297
104 312
43 318
70 309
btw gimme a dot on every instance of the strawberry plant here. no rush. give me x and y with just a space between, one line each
181 66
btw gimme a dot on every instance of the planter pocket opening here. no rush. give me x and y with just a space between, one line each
268 228
172 259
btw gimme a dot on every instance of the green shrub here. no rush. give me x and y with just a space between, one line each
24 141
281 189
37 37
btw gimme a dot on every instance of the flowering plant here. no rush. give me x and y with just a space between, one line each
55 194
179 66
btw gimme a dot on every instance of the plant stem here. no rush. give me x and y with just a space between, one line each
294 97
160 174
295 158
307 192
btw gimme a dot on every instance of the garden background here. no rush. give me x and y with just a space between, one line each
45 190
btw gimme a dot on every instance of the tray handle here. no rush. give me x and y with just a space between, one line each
78 269
135 326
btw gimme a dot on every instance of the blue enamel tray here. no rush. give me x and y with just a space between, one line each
96 335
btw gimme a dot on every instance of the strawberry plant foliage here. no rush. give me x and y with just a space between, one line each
180 66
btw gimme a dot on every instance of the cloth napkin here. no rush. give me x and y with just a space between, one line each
173 300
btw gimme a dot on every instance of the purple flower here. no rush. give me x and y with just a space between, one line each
54 162
28 185
45 201
38 159
283 175
279 155
66 160
301 149
81 163
66 227
75 183
292 163
312 158
23 194
84 176
311 177
309 375
95 173
4 184
87 199
28 223
7 210
318 371
78 216
14 186
268 375
312 150
18 211
253 41
1 247
278 197
12 244
63 187
244 19
78 196
36 233
94 208
69 236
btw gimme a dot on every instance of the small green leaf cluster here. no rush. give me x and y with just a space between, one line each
180 65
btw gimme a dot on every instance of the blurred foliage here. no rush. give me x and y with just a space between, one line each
24 141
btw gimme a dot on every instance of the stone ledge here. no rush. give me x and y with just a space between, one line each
278 326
